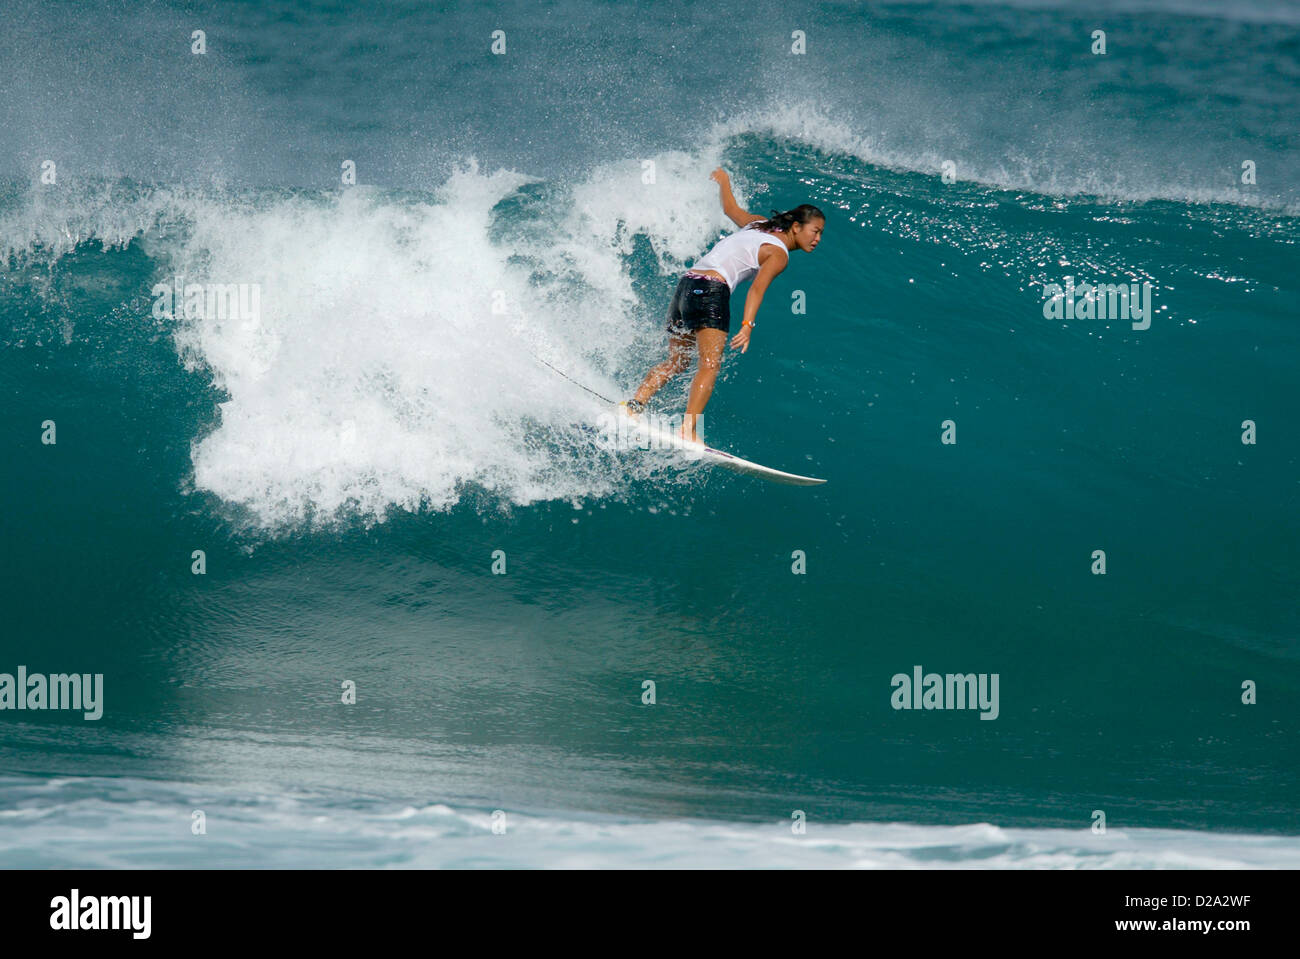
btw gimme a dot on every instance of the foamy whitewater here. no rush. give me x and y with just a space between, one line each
387 474
293 831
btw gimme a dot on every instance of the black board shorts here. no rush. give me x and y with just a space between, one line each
700 303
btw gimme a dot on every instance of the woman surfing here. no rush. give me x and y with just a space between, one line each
699 317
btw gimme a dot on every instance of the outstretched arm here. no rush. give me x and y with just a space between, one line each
729 204
771 263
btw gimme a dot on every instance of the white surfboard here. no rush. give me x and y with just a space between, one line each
661 438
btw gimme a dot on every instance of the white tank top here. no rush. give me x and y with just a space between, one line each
736 256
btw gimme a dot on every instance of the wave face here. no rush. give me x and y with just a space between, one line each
351 458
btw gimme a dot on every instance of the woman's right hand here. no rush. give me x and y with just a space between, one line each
721 176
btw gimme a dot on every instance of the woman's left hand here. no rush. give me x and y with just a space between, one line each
741 340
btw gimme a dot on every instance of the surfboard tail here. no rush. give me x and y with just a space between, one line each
667 439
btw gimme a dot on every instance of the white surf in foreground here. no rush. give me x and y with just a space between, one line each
95 822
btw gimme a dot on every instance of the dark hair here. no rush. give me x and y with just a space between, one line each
779 222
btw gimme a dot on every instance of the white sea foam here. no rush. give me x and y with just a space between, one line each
102 823
382 374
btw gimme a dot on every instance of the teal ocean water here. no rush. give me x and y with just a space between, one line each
390 490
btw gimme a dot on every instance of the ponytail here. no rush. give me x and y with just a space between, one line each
779 222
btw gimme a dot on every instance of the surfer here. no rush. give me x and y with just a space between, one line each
700 313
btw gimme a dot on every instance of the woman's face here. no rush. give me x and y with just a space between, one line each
808 235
